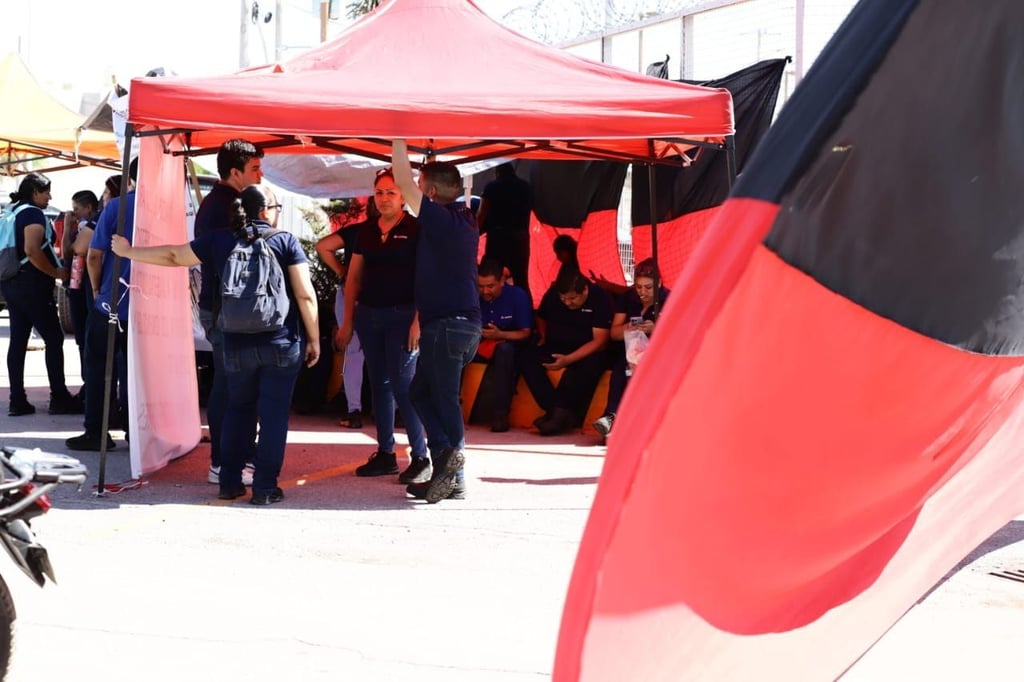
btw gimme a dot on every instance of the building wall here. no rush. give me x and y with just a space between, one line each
718 38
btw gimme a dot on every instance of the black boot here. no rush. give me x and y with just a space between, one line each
561 420
89 442
379 464
19 407
64 403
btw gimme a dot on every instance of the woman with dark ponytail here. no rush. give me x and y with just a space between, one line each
261 365
29 296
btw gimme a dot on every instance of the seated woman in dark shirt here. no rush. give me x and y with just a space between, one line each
636 310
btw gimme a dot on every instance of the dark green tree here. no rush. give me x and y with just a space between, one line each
358 8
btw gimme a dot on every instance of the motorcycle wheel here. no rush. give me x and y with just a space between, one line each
7 616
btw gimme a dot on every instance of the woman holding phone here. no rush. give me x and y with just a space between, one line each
637 310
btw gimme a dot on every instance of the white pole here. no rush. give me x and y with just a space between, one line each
798 59
278 31
243 37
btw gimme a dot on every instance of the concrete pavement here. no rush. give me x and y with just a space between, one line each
347 579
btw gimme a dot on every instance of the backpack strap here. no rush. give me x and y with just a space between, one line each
48 239
47 236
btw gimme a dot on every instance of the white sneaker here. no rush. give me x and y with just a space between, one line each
247 472
604 425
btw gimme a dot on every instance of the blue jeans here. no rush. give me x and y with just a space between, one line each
446 346
260 381
94 372
217 401
384 336
29 297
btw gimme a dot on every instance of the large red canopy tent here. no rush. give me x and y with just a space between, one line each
399 72
402 72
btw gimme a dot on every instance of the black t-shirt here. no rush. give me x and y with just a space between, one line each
629 302
349 235
389 265
509 201
33 215
567 329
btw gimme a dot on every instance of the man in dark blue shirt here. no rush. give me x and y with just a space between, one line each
238 165
507 319
449 314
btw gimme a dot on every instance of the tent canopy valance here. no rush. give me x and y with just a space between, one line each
446 77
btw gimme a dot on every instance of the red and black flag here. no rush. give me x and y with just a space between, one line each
581 198
830 415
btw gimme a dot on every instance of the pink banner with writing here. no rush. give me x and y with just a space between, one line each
162 386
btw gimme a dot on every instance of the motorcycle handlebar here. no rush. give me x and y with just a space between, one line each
46 469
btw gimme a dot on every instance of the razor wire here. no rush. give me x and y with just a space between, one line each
556 21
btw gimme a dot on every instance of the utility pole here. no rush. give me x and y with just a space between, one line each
243 37
278 31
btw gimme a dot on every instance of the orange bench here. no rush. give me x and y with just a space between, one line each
524 408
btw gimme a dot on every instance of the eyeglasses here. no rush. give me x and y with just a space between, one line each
276 206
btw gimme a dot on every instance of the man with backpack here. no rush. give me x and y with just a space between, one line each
268 320
239 166
28 275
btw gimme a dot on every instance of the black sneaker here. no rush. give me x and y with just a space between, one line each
561 420
499 423
65 404
379 464
418 471
419 491
263 499
19 408
443 481
89 441
352 420
230 493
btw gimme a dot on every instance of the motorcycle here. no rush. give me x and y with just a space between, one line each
28 475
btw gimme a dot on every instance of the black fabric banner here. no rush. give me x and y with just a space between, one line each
705 183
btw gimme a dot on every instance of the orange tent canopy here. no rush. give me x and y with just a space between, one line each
34 126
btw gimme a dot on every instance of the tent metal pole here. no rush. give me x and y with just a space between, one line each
654 235
112 321
730 159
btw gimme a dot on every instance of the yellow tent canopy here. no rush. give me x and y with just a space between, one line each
36 127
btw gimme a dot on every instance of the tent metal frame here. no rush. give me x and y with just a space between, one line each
575 150
12 153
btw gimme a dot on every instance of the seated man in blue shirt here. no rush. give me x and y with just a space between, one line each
507 319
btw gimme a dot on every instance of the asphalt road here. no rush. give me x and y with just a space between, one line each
347 579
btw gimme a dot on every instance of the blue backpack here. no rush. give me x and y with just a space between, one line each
10 264
253 291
